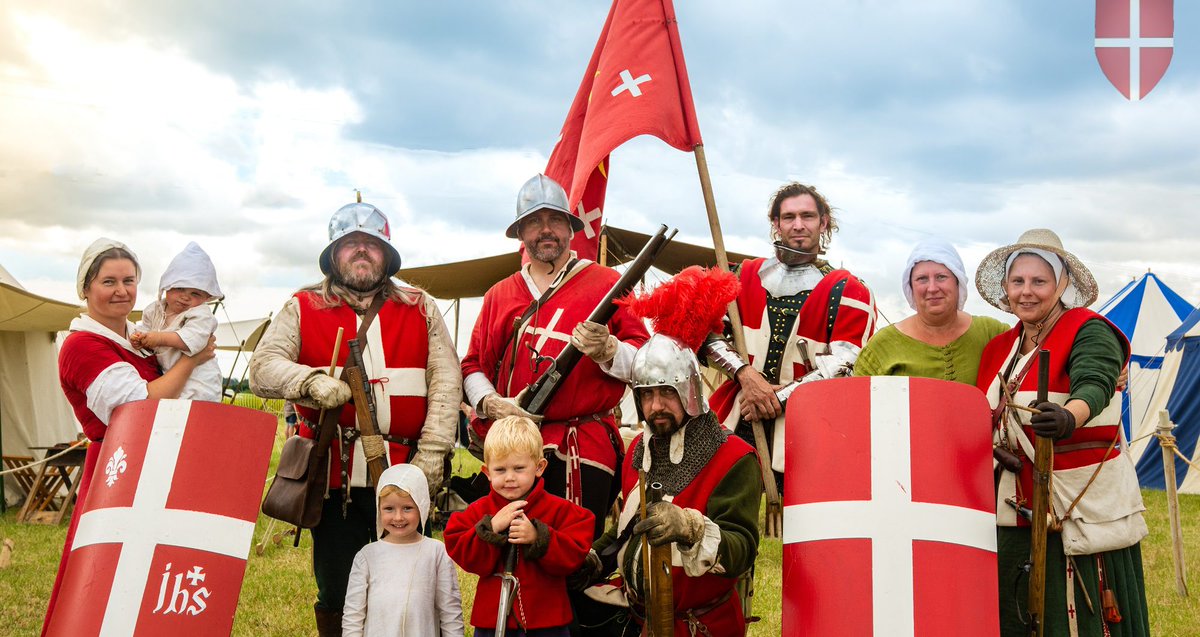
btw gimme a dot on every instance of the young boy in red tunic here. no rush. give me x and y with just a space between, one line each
552 536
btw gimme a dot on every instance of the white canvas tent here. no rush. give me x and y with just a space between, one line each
1177 392
33 410
1146 310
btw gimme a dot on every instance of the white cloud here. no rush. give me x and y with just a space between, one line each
910 125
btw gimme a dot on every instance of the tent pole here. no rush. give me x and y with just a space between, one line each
1166 442
457 311
774 513
3 484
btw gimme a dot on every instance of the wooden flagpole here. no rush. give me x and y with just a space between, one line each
774 514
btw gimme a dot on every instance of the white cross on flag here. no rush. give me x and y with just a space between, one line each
161 548
1134 43
889 521
635 84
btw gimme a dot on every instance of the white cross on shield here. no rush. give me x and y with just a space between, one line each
889 522
187 503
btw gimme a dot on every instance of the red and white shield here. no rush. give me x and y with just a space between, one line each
164 534
1134 42
889 521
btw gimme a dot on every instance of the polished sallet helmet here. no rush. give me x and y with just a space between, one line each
666 362
542 193
364 218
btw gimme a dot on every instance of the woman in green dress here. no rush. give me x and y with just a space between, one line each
941 340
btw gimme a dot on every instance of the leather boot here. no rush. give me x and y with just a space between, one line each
329 622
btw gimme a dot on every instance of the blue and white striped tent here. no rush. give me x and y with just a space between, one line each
1178 392
1146 310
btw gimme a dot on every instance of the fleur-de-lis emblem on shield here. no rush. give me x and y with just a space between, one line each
116 465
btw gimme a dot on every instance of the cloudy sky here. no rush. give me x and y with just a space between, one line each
244 125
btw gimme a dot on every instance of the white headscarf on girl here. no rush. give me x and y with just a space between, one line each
940 251
412 481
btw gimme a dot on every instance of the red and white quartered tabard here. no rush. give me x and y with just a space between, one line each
165 531
889 521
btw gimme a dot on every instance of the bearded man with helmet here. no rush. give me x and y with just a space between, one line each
410 362
526 321
711 481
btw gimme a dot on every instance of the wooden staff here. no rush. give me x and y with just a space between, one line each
661 620
1167 442
1043 462
337 348
774 514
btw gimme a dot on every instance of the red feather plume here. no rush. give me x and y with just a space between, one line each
688 306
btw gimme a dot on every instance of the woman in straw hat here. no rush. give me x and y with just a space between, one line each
941 340
1094 583
98 367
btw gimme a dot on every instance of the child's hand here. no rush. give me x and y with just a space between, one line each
504 517
521 531
138 340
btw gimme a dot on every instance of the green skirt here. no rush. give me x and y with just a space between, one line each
1122 573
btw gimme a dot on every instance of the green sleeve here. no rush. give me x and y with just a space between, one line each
1095 362
867 363
733 506
609 536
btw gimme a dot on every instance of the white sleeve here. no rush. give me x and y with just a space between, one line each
702 556
354 613
150 318
448 598
621 365
118 384
196 329
477 385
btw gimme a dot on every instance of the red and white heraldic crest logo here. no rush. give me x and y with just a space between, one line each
164 534
889 521
1134 42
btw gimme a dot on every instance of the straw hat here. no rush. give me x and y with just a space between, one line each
989 277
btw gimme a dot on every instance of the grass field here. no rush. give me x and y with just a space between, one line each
278 591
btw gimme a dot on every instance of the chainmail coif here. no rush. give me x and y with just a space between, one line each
702 436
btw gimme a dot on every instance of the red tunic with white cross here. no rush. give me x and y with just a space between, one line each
588 394
395 356
839 308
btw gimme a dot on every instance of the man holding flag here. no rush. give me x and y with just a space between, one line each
635 84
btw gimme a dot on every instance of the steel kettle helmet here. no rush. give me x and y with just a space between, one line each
666 362
542 193
364 218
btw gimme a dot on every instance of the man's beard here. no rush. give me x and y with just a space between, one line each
351 278
664 429
548 254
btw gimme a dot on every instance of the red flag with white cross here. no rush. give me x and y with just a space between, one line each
1134 43
635 84
889 519
164 534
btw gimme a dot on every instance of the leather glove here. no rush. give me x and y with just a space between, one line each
594 340
666 522
327 391
589 572
432 463
1055 421
494 407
